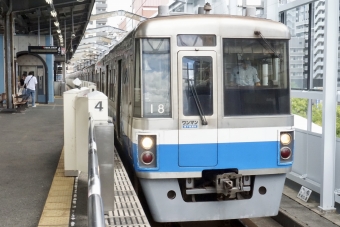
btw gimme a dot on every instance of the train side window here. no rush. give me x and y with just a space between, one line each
113 85
137 81
255 77
109 84
155 77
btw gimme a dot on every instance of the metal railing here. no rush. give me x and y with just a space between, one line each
95 208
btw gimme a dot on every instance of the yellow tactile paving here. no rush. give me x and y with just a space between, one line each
54 221
59 199
60 193
58 204
56 213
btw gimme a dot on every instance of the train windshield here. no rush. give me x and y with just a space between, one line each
255 77
156 77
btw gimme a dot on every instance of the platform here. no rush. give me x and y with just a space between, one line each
31 166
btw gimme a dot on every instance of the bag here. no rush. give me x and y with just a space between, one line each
20 91
28 82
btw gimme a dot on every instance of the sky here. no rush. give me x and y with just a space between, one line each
113 5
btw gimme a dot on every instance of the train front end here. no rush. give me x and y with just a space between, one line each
206 146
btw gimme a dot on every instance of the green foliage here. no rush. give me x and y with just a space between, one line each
299 107
317 114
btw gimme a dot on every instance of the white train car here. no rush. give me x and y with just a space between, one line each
206 140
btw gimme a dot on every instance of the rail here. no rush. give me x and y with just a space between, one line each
95 209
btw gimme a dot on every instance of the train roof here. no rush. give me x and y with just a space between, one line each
226 26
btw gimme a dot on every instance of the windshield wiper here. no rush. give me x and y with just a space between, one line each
265 40
198 104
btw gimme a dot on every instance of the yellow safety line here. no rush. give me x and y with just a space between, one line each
59 200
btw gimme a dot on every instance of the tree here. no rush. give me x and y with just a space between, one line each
299 107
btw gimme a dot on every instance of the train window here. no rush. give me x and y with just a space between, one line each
255 77
137 83
196 40
197 85
110 84
155 75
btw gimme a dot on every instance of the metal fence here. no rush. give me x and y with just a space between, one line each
307 168
95 208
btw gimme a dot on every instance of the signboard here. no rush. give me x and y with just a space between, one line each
304 193
63 51
59 58
45 49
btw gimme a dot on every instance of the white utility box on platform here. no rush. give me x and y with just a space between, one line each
82 133
70 115
78 103
98 106
92 86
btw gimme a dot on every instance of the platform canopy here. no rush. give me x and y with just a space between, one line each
27 13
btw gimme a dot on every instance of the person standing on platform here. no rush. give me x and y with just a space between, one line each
22 88
30 82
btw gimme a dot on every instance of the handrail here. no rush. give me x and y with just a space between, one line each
95 208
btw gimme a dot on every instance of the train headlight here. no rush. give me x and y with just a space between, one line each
147 151
147 143
286 147
285 138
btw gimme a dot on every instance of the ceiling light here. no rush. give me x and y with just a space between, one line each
80 0
73 35
49 1
59 31
56 23
53 13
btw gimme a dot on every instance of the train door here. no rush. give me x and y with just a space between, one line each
197 100
119 99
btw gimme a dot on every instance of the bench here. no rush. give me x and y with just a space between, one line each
3 98
18 102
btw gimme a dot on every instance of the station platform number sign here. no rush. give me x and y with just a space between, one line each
46 50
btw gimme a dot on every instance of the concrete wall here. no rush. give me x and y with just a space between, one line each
21 43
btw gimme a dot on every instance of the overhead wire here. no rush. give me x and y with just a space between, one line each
135 11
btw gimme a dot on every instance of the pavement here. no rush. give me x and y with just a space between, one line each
30 146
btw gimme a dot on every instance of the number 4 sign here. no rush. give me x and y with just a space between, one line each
99 106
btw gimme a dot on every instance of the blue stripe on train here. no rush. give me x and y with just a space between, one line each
243 156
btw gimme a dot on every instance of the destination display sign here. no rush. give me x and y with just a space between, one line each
45 49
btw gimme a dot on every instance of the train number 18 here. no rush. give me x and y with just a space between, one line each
160 108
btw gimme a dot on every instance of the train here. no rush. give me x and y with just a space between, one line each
202 145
